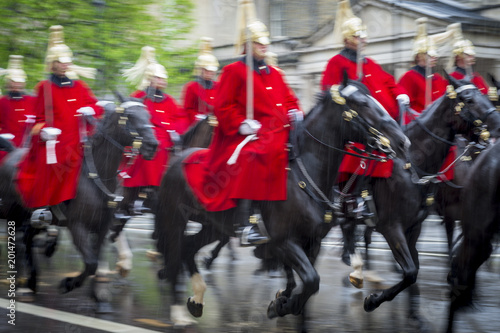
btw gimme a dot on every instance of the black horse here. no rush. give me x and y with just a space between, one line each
480 224
297 225
89 214
448 203
402 200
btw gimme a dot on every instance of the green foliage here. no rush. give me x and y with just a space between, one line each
103 34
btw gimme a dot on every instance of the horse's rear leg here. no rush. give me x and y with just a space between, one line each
192 244
293 255
215 252
405 253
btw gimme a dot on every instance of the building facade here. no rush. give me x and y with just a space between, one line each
302 33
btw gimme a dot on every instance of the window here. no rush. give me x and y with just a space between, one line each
277 18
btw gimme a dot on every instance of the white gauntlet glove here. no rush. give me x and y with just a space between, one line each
295 115
249 126
7 136
404 99
86 111
174 136
49 133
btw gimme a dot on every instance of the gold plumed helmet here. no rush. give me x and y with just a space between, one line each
14 71
248 25
422 42
347 25
206 59
145 68
463 46
56 49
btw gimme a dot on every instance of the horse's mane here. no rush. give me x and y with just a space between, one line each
188 135
6 145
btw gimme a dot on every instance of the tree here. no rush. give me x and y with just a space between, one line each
103 34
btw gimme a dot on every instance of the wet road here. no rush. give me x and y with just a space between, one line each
238 294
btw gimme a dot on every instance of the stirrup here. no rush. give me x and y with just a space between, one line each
41 218
252 236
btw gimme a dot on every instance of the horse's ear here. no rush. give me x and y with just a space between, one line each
493 80
345 78
454 82
119 96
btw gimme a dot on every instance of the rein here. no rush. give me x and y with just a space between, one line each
348 115
89 157
451 94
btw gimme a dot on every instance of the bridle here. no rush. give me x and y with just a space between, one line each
378 142
468 117
123 122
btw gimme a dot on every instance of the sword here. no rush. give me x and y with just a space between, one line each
359 62
428 81
249 61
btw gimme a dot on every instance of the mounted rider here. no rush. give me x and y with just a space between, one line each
16 107
354 171
248 157
463 59
64 110
351 31
199 94
168 120
421 83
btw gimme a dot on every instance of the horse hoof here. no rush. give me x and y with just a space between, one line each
275 308
356 282
122 271
180 317
279 293
194 308
103 307
369 304
208 262
65 286
162 274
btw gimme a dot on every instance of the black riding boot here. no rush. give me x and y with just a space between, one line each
249 232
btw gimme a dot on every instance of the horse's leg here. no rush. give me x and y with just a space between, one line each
404 253
349 240
86 243
449 225
192 244
124 263
292 255
215 252
29 256
290 283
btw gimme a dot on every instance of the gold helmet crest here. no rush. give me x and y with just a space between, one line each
57 50
423 43
14 71
206 60
347 25
145 68
248 26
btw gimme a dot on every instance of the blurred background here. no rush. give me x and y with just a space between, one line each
108 35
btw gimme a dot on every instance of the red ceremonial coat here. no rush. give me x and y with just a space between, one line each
380 83
165 115
260 170
413 82
13 111
41 184
477 79
199 98
381 86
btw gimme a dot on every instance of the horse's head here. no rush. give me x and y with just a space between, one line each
370 117
134 128
473 109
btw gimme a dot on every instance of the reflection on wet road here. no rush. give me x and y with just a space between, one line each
238 293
